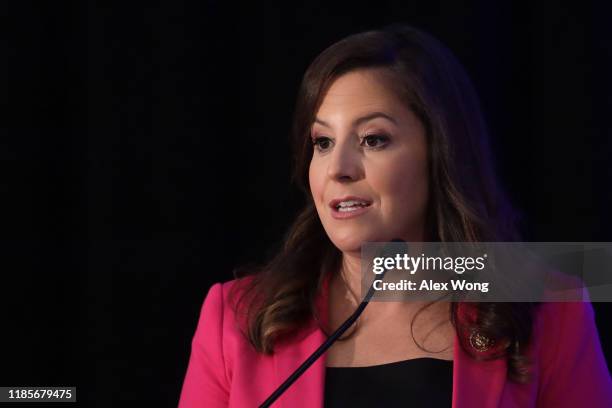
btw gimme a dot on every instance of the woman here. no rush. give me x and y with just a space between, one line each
389 143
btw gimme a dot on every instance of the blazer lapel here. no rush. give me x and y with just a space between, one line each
308 390
477 384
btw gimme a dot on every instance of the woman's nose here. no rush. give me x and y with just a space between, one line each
345 163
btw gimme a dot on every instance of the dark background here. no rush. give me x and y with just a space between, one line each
145 155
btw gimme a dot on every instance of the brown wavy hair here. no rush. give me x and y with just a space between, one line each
466 201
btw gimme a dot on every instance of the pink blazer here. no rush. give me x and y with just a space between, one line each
224 371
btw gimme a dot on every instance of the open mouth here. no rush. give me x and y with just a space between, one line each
351 205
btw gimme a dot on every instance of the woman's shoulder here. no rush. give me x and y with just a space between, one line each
220 326
570 356
228 292
559 319
560 325
222 296
566 309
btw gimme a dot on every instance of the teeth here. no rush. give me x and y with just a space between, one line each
348 209
345 205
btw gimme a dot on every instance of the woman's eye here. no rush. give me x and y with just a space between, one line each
321 143
374 141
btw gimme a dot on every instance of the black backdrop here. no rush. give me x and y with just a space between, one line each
145 155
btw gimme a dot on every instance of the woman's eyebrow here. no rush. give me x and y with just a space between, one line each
362 119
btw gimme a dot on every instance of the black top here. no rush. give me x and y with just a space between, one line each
421 382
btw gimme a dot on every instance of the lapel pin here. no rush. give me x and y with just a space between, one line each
480 342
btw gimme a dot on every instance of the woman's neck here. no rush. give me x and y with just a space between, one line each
346 291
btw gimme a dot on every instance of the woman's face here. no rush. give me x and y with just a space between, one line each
368 173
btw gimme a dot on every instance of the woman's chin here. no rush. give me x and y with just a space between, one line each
350 244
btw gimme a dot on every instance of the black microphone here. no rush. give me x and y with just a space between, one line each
327 344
